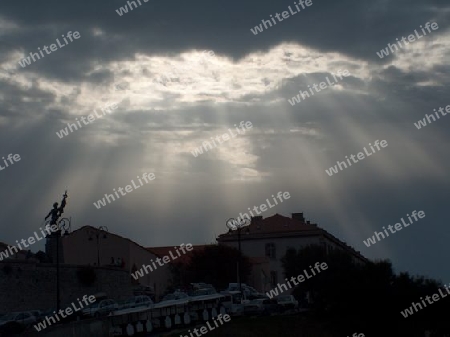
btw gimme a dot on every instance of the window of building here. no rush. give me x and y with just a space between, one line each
273 279
270 250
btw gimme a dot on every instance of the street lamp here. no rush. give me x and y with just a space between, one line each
61 225
97 234
64 226
238 224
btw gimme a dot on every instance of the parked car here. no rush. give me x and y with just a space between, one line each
16 322
178 295
25 318
203 292
37 313
100 308
233 302
249 293
262 306
45 313
144 290
201 285
288 302
253 307
138 301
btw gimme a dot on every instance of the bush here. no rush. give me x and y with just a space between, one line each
86 275
7 269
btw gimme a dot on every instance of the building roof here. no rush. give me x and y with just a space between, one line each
4 246
184 258
158 251
21 252
274 225
279 226
109 233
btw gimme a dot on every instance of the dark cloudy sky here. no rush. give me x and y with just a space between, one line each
174 97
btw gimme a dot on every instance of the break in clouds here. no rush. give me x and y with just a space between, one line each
173 97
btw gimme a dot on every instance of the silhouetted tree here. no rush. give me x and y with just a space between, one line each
365 297
86 275
42 257
180 274
216 265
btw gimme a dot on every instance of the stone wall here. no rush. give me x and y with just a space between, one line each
29 285
84 328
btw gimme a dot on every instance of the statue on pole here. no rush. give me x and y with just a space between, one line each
55 212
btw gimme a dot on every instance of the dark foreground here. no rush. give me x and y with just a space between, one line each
297 325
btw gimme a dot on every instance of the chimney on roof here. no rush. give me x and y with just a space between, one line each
298 216
256 219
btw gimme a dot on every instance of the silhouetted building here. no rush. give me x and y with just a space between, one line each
271 237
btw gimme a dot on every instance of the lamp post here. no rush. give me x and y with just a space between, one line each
64 226
61 225
97 233
238 224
